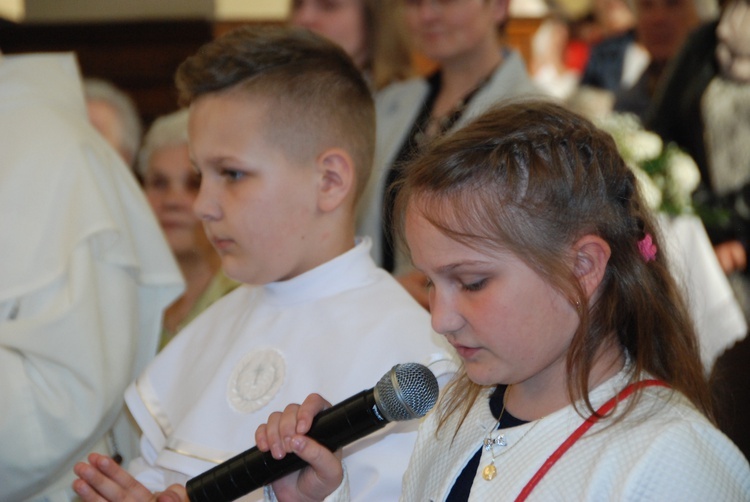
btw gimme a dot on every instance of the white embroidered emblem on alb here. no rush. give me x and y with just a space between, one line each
255 380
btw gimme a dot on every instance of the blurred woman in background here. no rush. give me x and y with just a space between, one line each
475 69
370 31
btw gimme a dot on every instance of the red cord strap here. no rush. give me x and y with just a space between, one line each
581 430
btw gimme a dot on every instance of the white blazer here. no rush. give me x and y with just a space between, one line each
397 107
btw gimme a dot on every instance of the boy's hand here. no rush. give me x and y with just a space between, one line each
284 433
102 479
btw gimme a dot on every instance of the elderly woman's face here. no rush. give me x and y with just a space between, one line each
171 185
341 21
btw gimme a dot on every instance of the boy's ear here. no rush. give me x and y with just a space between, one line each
337 178
591 254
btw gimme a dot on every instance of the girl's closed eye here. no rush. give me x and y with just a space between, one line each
474 286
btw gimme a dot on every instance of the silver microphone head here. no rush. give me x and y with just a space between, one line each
406 392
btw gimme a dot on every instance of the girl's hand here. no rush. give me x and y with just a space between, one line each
284 433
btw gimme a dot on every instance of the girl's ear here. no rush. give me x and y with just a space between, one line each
336 179
591 254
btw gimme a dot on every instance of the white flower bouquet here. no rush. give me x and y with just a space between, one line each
666 175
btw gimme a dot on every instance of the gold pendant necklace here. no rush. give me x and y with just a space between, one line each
490 471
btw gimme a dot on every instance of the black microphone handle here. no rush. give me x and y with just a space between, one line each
335 427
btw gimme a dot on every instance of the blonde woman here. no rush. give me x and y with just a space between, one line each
475 70
370 31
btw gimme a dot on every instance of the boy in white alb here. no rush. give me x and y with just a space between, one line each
282 132
277 342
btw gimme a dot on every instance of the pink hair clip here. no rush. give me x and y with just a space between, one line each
647 248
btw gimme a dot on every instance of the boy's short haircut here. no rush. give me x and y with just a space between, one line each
317 98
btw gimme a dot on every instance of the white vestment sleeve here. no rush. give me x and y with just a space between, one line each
84 279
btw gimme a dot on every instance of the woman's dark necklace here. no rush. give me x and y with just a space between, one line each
437 125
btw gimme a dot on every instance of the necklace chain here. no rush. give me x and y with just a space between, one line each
437 126
489 443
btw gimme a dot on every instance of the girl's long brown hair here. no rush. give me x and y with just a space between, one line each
532 177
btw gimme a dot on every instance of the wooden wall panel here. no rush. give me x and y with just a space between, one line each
138 57
141 57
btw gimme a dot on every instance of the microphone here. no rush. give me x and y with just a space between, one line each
406 392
